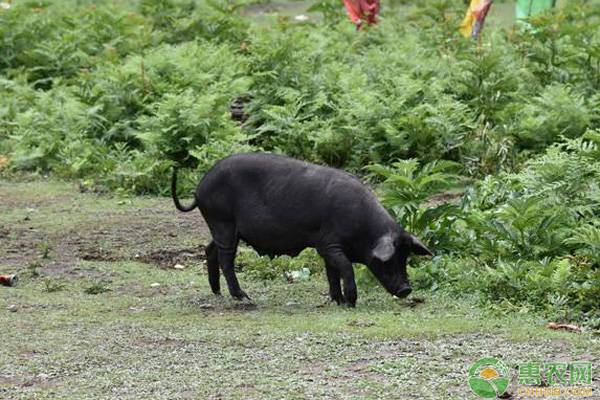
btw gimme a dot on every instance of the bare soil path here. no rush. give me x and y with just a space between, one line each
54 225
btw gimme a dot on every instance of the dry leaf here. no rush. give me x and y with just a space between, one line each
566 327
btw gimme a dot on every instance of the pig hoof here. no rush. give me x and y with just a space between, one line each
351 303
241 295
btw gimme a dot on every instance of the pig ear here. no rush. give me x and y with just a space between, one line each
385 248
418 248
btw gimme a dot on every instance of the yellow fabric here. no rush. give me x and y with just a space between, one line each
466 26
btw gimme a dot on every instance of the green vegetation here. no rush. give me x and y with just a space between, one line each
490 151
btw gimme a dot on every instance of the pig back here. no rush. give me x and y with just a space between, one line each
281 205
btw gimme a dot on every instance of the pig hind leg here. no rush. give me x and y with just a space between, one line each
226 240
226 259
212 264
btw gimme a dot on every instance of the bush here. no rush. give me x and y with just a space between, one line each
531 239
265 268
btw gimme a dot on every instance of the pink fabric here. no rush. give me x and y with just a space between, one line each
360 11
481 11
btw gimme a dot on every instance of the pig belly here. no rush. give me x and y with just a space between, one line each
275 239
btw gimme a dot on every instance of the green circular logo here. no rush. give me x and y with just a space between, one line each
488 378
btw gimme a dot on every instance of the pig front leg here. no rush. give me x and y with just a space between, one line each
350 292
335 286
336 258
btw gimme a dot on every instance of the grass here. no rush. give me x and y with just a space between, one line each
175 340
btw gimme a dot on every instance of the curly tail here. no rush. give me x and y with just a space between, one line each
174 194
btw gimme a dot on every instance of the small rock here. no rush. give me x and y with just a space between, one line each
361 324
206 306
13 308
43 376
291 304
155 285
178 266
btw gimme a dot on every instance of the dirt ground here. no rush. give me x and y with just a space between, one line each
59 227
101 313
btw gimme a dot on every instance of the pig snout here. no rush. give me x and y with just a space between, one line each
403 291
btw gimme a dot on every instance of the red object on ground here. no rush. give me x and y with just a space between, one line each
8 280
360 11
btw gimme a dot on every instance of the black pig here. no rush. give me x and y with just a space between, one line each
280 206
